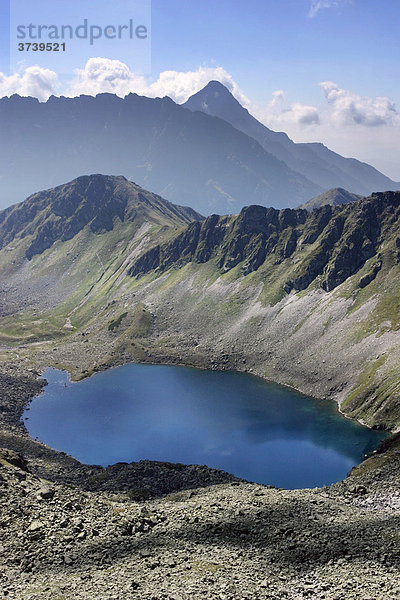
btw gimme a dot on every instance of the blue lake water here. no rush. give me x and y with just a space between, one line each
226 420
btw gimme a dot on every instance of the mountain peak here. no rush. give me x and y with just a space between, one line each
99 202
214 91
320 165
216 86
334 197
214 99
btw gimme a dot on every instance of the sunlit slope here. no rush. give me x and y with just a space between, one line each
64 251
308 299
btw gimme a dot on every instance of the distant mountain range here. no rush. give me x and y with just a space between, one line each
315 161
188 158
215 164
333 197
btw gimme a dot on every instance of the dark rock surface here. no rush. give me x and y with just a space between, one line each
229 541
345 237
96 200
168 531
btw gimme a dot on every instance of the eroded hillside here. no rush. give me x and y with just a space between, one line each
310 300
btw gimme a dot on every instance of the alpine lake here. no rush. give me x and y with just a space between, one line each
236 422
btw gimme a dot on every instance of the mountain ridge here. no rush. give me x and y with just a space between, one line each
318 163
344 239
95 200
180 155
273 292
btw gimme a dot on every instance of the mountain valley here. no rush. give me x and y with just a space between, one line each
145 279
99 272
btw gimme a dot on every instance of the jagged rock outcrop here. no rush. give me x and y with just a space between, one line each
330 243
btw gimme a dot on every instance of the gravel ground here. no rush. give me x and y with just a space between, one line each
227 541
159 531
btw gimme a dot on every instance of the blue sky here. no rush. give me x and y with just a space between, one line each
263 47
269 45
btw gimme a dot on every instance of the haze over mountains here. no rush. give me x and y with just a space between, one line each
188 158
314 160
215 164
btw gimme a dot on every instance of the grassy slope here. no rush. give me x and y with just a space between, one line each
341 345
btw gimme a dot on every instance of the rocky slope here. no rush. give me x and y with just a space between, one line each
141 284
342 241
97 201
206 535
167 532
85 228
287 289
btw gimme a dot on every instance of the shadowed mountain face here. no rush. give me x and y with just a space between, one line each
184 156
333 197
96 201
315 161
329 245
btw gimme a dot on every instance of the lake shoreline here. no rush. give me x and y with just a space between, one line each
60 356
226 419
190 364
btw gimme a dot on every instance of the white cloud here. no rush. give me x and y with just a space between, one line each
181 85
277 115
105 75
101 75
350 124
317 5
349 108
304 114
34 81
353 125
277 99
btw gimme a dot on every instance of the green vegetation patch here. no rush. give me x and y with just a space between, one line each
115 323
141 322
365 384
374 395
